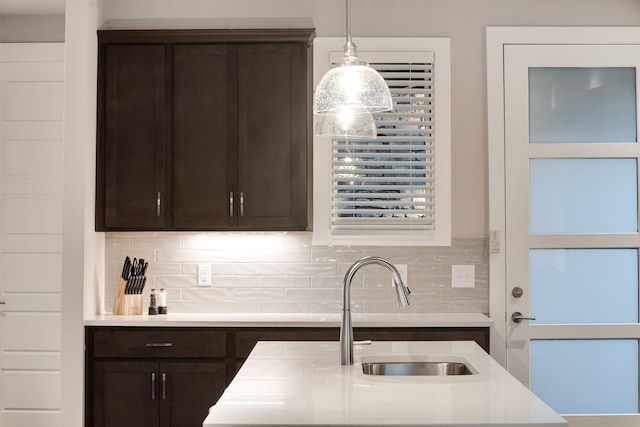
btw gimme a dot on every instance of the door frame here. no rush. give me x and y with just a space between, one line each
497 38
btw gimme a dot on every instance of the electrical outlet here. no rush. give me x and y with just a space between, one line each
403 270
204 274
463 276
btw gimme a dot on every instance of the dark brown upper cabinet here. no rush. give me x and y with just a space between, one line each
203 130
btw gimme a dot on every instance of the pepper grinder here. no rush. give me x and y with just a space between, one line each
153 302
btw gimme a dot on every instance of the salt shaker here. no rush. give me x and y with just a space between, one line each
162 301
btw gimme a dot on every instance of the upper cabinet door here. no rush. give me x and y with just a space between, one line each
272 136
204 136
131 138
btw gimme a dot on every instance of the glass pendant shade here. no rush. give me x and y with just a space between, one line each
346 124
353 85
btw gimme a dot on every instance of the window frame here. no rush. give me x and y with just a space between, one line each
322 146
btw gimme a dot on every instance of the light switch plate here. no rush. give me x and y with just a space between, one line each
463 276
204 274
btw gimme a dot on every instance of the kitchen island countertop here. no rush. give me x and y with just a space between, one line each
302 383
373 320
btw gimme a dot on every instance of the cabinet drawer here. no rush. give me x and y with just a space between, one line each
159 343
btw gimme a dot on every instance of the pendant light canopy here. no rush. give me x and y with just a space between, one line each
353 84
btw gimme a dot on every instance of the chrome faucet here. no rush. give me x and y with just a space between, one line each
346 328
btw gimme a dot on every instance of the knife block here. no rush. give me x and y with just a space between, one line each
124 303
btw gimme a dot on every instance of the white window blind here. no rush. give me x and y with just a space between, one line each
388 183
393 190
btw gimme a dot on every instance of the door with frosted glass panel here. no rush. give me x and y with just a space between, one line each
572 228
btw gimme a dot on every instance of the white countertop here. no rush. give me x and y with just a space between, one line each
294 320
302 383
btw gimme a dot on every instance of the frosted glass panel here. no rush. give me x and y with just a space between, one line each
583 285
582 195
586 376
582 105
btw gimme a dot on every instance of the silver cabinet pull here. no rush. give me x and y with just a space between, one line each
159 344
158 205
231 204
241 203
153 386
164 386
517 317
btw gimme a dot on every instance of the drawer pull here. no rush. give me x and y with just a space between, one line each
153 386
159 344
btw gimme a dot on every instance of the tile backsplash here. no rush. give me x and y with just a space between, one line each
282 272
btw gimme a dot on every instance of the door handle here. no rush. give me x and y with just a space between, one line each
517 317
153 386
164 386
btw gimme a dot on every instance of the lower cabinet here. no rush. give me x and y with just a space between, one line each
170 376
138 394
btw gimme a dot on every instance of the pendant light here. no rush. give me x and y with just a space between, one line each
351 85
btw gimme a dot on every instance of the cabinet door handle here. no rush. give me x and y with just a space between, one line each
158 205
164 386
153 386
241 203
159 344
231 204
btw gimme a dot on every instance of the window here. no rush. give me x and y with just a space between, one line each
393 189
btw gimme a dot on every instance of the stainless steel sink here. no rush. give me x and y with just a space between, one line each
413 366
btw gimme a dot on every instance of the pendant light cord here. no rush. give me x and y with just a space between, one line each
350 52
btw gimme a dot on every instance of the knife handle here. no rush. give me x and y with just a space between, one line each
231 204
158 204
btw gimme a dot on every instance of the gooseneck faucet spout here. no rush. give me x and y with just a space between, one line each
346 328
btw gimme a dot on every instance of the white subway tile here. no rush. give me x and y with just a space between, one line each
311 294
326 306
285 307
310 269
233 307
175 281
235 240
207 294
164 255
187 306
156 243
235 281
285 282
258 294
248 269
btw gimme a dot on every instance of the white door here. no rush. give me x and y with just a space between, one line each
31 157
571 227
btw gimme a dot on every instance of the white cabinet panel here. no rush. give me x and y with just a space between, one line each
35 100
31 390
23 272
32 157
33 215
31 331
